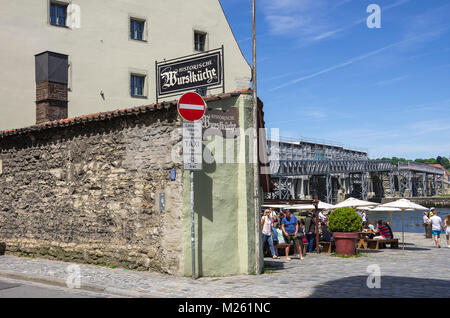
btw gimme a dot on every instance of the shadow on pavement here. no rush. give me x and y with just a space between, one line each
273 265
414 248
363 251
391 286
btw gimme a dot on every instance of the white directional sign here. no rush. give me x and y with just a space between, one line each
192 145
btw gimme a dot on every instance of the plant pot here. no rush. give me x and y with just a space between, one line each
345 242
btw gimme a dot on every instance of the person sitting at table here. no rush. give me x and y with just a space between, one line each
384 231
389 227
326 235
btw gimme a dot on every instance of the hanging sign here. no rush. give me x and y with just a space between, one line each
199 71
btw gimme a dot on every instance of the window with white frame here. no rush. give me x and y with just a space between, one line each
137 85
58 13
137 29
200 41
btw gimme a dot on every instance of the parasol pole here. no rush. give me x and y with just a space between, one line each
390 212
403 228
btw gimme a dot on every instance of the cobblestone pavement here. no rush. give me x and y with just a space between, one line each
19 289
421 270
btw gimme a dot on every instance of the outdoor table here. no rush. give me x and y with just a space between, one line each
362 241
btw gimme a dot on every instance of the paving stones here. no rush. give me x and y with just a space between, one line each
420 271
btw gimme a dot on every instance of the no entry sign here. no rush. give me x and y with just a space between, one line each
191 106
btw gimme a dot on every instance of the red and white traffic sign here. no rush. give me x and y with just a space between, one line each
191 106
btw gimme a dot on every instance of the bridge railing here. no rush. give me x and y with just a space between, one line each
325 167
419 167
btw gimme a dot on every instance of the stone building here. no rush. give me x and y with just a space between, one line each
87 189
111 46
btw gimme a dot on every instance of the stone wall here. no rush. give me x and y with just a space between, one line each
89 192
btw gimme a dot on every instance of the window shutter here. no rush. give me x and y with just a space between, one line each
132 85
52 14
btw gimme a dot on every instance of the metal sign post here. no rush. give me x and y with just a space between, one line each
192 160
192 108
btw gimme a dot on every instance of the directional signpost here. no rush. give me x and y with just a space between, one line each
192 107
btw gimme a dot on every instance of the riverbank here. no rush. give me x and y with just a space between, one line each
437 202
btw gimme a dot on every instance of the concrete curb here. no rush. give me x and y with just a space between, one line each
62 283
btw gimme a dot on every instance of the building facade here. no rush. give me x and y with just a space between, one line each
112 47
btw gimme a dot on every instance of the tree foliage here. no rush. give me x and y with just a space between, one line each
344 220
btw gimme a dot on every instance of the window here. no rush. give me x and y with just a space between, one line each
58 14
137 85
199 41
137 29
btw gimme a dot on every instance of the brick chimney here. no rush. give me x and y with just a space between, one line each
51 86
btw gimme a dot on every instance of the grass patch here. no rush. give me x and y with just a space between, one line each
351 256
269 271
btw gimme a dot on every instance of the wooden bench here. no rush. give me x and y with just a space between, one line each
375 244
291 247
327 246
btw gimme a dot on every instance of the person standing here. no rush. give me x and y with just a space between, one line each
436 228
322 217
301 236
425 218
364 218
310 232
289 226
447 229
426 225
266 224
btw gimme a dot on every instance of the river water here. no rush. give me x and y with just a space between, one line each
413 219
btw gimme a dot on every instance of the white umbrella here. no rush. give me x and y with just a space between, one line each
354 203
365 208
403 204
276 206
321 206
385 209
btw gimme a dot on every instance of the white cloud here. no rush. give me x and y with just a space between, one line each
391 81
312 20
421 37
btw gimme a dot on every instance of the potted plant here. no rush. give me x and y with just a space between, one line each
345 224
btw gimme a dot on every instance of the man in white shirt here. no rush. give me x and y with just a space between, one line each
322 217
436 228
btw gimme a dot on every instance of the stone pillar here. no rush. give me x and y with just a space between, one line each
51 87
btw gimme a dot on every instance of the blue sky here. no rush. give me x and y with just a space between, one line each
322 73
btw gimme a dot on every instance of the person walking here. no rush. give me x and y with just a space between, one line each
447 229
266 225
289 226
310 232
436 228
426 221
